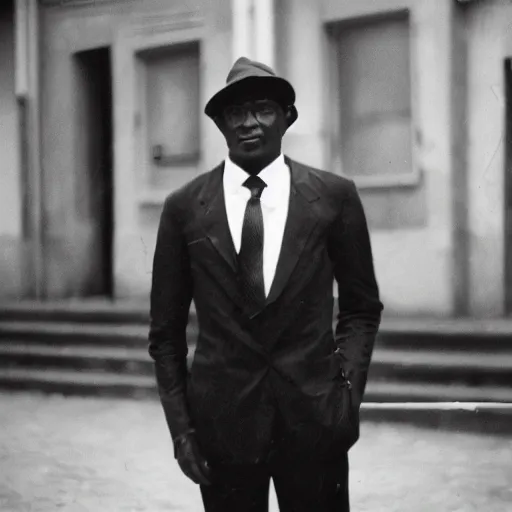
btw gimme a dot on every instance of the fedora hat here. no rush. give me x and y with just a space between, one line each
249 73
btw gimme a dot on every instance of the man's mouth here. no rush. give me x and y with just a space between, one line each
250 140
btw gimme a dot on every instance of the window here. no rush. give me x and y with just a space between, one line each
172 100
373 81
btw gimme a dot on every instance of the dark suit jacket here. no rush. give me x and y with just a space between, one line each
251 369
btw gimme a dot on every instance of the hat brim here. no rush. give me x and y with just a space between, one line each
272 87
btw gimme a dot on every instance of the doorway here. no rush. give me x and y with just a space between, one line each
94 170
508 185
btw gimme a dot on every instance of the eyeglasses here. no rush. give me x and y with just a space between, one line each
263 111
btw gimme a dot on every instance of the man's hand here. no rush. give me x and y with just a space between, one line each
191 462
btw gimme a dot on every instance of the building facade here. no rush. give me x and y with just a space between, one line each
101 117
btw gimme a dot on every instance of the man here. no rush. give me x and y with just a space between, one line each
257 242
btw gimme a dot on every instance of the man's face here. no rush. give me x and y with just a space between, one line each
253 127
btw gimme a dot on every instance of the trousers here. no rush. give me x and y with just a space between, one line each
301 486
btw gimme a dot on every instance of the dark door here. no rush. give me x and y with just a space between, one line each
508 186
93 150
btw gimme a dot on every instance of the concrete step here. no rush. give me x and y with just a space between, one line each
61 320
398 391
125 360
143 386
70 333
402 335
75 346
486 334
430 366
77 311
408 366
451 334
492 327
78 383
452 360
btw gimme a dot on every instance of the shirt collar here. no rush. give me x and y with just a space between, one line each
276 176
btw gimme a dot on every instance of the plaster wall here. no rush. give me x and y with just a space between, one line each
127 27
413 264
489 44
10 179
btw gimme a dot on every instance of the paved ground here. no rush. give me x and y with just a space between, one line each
79 455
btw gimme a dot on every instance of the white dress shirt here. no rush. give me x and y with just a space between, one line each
274 205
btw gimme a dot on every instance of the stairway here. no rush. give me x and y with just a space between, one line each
442 360
84 348
100 348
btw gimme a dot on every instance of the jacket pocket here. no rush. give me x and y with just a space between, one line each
348 417
195 241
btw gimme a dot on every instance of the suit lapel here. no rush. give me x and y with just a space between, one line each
300 222
302 219
214 219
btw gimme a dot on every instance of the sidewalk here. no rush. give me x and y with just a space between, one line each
85 455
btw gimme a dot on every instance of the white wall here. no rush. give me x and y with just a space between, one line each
10 200
414 266
9 143
128 27
490 42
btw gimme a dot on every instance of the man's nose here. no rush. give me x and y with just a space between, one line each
250 119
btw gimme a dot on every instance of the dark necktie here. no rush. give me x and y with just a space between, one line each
250 257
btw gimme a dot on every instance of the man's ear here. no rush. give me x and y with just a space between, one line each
219 122
291 115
